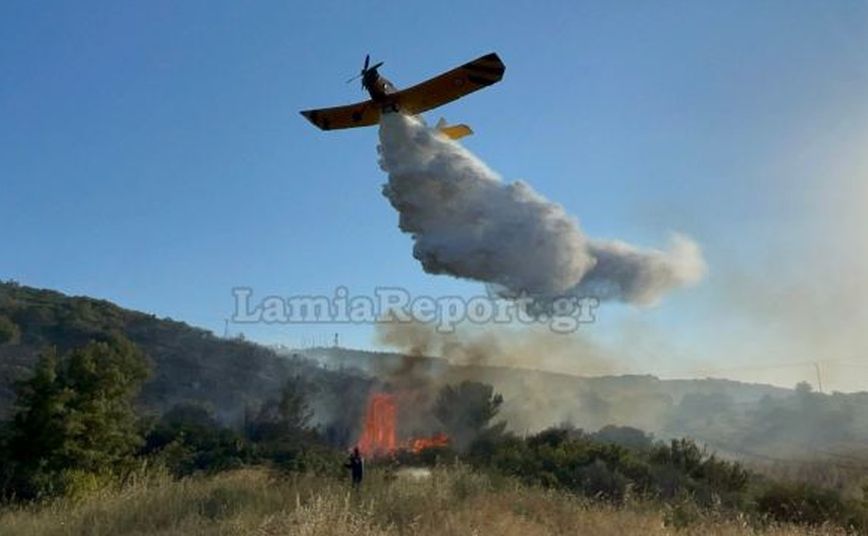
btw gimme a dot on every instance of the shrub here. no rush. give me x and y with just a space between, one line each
807 504
188 439
9 331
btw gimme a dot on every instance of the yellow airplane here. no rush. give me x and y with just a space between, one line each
385 98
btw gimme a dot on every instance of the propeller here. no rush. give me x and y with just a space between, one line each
365 69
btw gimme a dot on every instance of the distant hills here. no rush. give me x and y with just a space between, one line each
189 364
761 423
231 376
534 399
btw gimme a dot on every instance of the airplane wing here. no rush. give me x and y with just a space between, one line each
451 85
360 114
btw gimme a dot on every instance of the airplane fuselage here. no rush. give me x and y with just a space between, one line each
378 87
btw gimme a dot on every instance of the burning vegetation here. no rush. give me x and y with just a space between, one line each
379 437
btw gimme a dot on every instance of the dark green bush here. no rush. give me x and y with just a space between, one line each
9 331
188 439
807 504
570 459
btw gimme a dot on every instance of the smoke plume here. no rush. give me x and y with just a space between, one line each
529 347
468 223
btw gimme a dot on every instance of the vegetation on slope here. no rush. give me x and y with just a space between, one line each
77 432
453 500
188 364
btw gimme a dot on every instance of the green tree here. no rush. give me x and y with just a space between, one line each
37 430
466 411
101 425
280 430
76 414
9 331
286 418
188 438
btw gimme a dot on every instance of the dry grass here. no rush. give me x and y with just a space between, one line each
255 501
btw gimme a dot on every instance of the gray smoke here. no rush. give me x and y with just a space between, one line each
468 223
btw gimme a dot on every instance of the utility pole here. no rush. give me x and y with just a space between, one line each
337 340
819 377
225 328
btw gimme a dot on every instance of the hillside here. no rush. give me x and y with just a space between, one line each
189 364
534 398
755 422
752 421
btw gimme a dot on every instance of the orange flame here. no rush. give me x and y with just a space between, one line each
418 444
378 435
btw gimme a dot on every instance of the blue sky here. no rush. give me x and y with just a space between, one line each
152 154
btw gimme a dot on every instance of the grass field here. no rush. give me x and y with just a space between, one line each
448 501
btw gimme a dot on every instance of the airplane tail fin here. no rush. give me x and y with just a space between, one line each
456 132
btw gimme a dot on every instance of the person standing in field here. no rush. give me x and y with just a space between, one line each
356 465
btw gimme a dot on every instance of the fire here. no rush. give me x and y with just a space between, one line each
379 436
418 444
